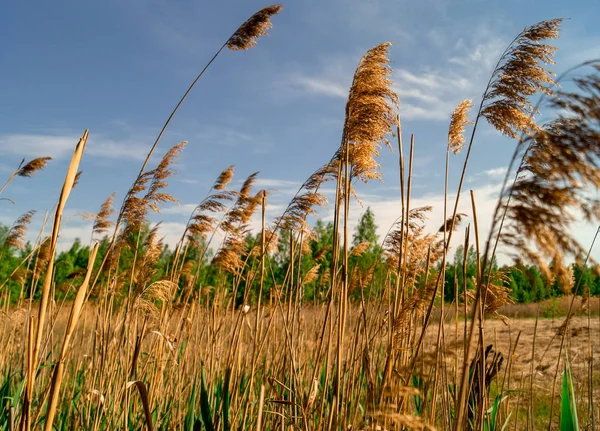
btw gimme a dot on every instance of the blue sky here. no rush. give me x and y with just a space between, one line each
118 68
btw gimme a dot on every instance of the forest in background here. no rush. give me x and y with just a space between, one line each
525 283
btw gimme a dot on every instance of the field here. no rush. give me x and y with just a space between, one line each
195 347
300 327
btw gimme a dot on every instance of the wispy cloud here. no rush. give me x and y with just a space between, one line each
495 172
62 146
322 86
276 184
427 93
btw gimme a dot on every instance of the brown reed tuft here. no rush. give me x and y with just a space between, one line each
256 26
102 222
224 178
149 253
33 166
77 178
200 223
448 224
235 227
558 167
420 245
16 234
359 249
311 275
370 113
135 208
458 122
518 76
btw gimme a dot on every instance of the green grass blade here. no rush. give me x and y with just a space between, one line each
568 409
205 407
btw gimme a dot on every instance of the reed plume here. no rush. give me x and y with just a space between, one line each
306 199
560 164
235 227
452 223
151 249
518 76
27 170
224 178
77 178
102 220
16 234
249 32
135 208
458 122
423 249
33 166
370 113
201 222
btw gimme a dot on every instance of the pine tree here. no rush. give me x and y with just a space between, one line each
366 230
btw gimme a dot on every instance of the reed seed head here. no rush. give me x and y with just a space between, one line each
33 166
102 222
16 234
519 76
370 113
458 122
250 31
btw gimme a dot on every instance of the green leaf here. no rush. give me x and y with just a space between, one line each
205 407
190 416
568 409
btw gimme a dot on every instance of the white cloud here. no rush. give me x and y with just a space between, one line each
496 172
321 86
271 183
427 93
62 146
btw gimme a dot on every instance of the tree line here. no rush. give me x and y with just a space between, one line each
20 268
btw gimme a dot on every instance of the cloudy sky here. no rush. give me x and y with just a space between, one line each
118 67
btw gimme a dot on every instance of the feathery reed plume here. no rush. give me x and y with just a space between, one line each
135 208
200 223
311 275
359 249
250 31
33 166
560 163
150 252
77 178
155 197
420 246
16 234
235 227
370 113
102 222
306 199
458 122
27 170
43 254
497 294
448 224
224 178
519 76
161 290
